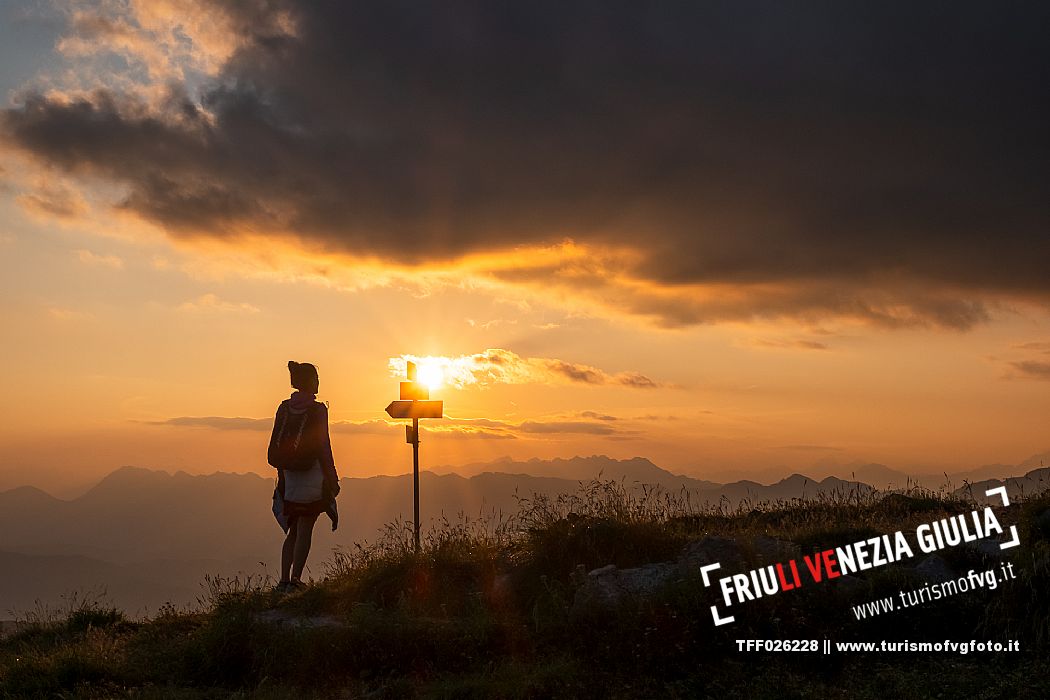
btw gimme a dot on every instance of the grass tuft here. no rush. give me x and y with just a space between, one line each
486 609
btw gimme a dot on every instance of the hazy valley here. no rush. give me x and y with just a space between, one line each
142 537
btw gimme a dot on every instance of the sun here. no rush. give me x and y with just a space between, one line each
430 374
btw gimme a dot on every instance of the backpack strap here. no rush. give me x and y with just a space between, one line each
284 422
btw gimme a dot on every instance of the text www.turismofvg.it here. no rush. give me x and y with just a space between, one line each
973 580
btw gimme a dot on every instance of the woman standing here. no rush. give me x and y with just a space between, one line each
307 483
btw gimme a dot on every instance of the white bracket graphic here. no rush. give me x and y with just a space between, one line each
719 620
1000 491
705 569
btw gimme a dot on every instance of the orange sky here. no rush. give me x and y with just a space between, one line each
110 345
128 343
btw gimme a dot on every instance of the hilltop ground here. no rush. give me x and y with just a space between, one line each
506 609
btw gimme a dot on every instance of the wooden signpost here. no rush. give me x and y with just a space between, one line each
415 403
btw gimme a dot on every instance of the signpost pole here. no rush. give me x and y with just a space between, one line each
415 481
414 403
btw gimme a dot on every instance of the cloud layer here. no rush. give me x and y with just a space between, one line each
478 428
710 161
499 366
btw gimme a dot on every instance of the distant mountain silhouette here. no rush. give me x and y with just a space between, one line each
1035 481
637 469
149 536
884 477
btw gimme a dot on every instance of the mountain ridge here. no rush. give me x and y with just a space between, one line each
223 522
576 468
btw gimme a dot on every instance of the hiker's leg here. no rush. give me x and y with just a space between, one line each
288 550
303 538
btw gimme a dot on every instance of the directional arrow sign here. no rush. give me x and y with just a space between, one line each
415 409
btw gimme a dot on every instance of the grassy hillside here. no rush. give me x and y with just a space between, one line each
491 609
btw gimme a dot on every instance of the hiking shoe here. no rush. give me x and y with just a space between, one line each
287 587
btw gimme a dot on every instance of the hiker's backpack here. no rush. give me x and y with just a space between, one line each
296 440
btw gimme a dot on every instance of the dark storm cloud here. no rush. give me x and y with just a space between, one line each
1033 369
827 149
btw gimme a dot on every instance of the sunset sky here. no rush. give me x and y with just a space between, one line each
737 238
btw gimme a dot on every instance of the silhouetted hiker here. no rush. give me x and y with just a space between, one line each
307 483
